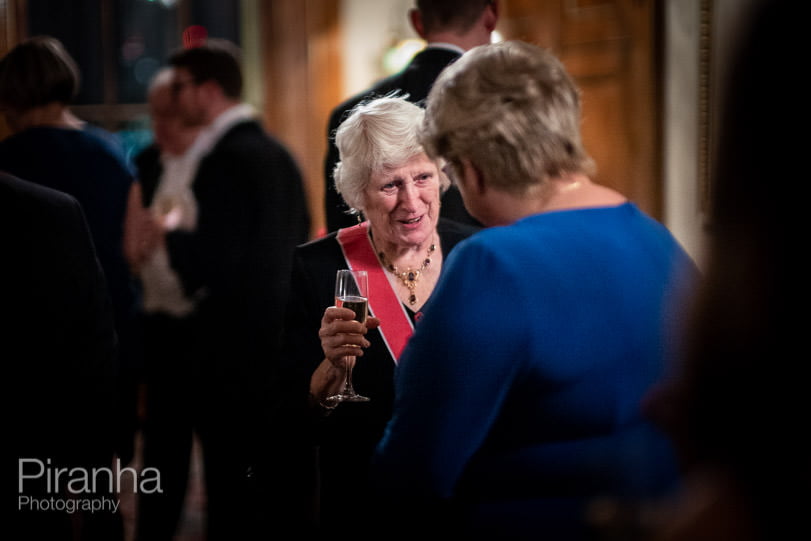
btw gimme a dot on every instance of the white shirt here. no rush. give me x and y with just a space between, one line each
174 206
442 45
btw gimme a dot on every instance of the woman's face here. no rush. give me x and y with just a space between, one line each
402 203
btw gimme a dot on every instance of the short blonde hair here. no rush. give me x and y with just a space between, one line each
377 135
510 109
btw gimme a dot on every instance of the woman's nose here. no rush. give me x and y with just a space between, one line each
409 194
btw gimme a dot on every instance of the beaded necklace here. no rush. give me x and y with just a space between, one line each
410 276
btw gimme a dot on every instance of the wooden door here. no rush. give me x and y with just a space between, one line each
610 48
10 18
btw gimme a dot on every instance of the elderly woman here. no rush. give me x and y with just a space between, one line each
385 176
518 397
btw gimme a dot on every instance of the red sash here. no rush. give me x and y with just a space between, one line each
395 325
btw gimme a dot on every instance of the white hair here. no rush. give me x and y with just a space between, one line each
378 134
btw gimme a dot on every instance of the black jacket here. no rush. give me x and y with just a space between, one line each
59 343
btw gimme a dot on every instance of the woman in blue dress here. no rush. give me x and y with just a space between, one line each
518 399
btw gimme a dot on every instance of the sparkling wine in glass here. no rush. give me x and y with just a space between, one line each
351 291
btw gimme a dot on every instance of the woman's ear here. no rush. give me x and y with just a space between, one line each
473 178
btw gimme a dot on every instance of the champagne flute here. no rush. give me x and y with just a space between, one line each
351 291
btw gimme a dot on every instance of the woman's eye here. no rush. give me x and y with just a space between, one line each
389 188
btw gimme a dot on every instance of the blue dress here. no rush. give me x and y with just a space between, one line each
518 397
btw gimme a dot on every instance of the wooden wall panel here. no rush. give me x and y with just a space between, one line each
610 48
11 16
301 45
12 13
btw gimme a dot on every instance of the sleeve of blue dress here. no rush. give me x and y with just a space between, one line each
452 378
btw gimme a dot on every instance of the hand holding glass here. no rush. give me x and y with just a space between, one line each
351 291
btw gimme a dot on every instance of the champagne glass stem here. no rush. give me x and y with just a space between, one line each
348 388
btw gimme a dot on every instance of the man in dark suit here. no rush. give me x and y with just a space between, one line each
59 347
234 260
450 27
